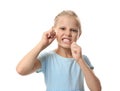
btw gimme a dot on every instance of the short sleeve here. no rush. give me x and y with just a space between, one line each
42 59
88 62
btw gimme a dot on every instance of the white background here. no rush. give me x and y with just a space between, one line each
22 23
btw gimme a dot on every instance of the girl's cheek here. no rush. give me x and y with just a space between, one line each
59 33
75 38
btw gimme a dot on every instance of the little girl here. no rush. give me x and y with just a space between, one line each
64 68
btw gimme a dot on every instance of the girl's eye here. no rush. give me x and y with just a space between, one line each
62 28
73 30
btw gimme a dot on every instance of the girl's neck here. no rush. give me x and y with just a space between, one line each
65 52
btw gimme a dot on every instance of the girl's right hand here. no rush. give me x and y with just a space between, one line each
48 37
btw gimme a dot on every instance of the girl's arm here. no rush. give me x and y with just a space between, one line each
92 81
29 62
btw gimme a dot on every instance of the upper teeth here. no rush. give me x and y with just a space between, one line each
66 40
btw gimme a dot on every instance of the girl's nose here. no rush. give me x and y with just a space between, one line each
68 33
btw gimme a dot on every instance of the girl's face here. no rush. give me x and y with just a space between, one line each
67 31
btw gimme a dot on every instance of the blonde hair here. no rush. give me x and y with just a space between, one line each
69 13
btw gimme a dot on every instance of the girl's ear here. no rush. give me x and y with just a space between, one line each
79 34
77 37
53 28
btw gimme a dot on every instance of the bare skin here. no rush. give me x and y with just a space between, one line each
29 63
66 32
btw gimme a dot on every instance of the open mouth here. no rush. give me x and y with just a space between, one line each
66 40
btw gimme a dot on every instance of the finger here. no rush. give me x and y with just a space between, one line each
51 30
73 44
51 35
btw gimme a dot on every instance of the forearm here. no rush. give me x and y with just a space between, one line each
30 63
27 63
92 81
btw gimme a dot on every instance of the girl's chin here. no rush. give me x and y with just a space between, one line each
66 46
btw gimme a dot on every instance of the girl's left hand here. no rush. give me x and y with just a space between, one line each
76 51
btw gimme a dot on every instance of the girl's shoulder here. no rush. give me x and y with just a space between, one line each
86 59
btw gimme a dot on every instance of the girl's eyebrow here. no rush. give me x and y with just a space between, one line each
74 28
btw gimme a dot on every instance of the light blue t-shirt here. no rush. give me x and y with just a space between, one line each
62 74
